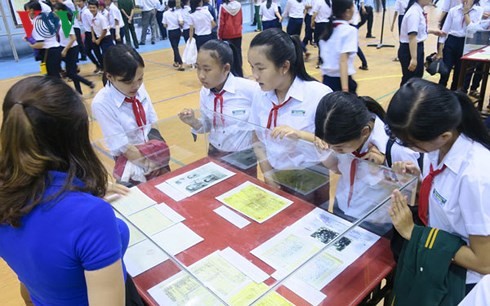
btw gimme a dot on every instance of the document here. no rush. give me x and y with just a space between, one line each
135 235
155 219
232 216
252 291
142 257
254 202
133 202
176 238
244 265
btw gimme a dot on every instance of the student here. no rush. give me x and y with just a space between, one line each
161 8
287 103
455 190
126 116
201 23
269 14
295 10
171 22
451 47
92 51
44 34
70 52
226 92
63 241
322 10
257 19
413 33
185 11
338 47
148 16
230 25
127 10
116 22
78 32
366 8
400 8
101 35
355 23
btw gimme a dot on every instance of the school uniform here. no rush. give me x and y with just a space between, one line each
115 14
368 17
148 16
268 15
414 22
308 30
185 19
201 21
162 5
356 192
458 197
400 8
257 19
77 24
171 20
92 51
224 116
342 40
44 31
455 27
99 24
447 5
117 119
295 10
71 60
297 111
323 12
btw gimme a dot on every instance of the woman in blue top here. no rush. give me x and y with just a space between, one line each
60 238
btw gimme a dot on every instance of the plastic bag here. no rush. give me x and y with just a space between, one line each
190 52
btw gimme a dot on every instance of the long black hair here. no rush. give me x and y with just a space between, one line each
268 4
422 110
281 48
171 5
183 3
341 116
195 5
224 53
338 9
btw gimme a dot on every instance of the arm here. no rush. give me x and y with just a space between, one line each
73 38
412 43
106 286
313 17
265 166
104 33
188 117
287 131
395 14
191 31
344 74
475 256
221 25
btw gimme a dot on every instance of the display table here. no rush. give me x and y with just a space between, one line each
468 61
349 288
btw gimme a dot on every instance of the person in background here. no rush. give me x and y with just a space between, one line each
400 8
185 11
171 22
212 10
257 20
101 35
269 14
127 10
366 9
78 31
115 22
162 6
148 17
322 10
201 23
230 26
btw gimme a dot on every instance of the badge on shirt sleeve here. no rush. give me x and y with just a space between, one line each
439 198
298 112
239 112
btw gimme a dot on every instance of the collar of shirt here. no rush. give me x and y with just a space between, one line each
118 97
455 157
57 178
339 22
295 91
228 87
460 7
418 8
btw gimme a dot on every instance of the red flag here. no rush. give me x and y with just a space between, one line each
26 21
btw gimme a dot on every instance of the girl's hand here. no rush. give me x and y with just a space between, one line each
115 191
413 65
187 116
374 155
284 131
401 215
406 168
320 144
63 53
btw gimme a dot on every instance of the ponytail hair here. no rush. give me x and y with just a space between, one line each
224 53
281 48
421 110
45 128
339 7
341 116
194 5
268 4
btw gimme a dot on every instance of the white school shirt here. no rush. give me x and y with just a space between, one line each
298 113
225 133
459 196
171 19
361 203
40 32
356 17
148 5
367 3
343 40
86 17
322 9
479 295
69 4
414 22
447 5
268 14
100 23
115 14
65 40
294 9
184 17
117 121
455 24
401 6
44 7
201 20
310 4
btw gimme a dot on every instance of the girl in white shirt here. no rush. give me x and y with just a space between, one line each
172 21
285 108
338 48
201 23
70 51
269 14
226 101
295 10
184 18
429 118
451 47
126 116
321 12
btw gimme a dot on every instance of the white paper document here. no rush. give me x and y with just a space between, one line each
135 235
245 266
194 181
176 238
133 202
155 219
142 257
232 216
